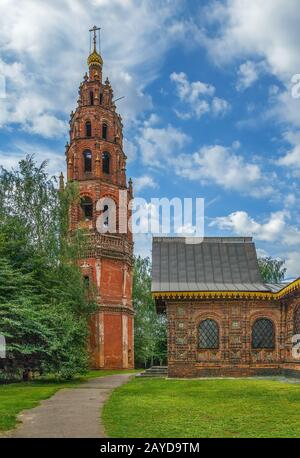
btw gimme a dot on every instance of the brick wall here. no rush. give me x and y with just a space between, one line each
235 355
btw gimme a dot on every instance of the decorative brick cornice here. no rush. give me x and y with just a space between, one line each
116 309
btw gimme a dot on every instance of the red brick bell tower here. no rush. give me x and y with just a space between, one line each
96 160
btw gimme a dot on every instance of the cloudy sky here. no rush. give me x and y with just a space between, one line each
209 108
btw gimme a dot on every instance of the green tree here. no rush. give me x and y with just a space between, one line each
44 305
272 270
161 339
150 328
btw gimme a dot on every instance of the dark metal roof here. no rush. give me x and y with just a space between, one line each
276 287
215 264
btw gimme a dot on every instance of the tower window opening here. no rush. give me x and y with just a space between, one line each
91 98
87 159
86 281
88 129
104 131
87 208
106 220
100 98
106 162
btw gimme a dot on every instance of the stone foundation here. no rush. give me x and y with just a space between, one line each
192 371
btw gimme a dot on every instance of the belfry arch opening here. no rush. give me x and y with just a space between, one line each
87 208
91 98
88 129
87 161
106 163
104 131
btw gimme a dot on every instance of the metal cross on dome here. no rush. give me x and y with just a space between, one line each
95 29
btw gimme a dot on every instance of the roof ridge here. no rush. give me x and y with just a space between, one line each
204 239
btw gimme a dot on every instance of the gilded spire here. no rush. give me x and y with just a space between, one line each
95 58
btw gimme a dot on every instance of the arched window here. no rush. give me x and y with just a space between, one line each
87 161
88 129
106 162
100 98
91 98
87 207
297 321
263 334
104 131
208 335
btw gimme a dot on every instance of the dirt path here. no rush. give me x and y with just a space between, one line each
72 412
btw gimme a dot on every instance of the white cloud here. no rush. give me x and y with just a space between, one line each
274 229
292 158
46 125
248 73
223 166
292 263
158 145
269 29
266 35
219 106
290 200
192 91
152 120
44 46
199 98
163 147
144 182
241 223
130 150
284 108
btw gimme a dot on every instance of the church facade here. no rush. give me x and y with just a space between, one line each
96 161
223 320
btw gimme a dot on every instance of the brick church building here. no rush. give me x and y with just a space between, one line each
223 320
96 161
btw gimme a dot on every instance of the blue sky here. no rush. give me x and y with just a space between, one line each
208 111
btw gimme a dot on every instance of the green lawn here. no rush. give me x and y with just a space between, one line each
16 397
203 409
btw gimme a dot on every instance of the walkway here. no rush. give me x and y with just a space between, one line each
71 413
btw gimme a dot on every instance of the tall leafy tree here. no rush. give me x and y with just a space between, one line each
44 305
272 270
150 328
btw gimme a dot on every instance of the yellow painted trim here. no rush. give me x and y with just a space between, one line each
262 295
288 289
214 295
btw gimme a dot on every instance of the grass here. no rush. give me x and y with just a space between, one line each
240 408
16 397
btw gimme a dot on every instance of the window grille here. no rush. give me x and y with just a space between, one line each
208 335
263 334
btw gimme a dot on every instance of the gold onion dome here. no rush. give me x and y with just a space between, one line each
95 59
